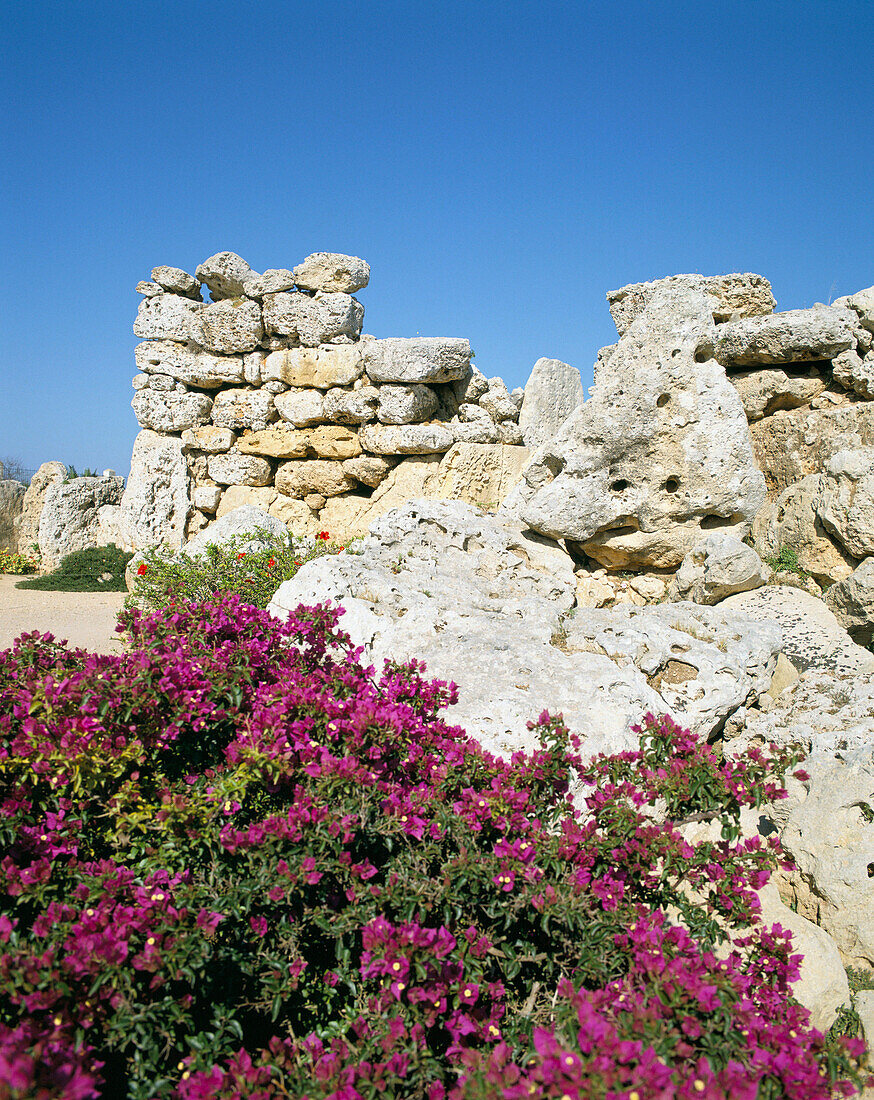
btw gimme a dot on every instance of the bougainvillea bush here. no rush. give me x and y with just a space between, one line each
236 863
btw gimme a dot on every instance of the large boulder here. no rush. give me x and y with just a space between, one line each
225 274
27 522
188 364
245 520
796 336
332 271
852 601
313 321
717 567
846 501
12 495
70 517
416 359
156 504
552 392
764 391
733 295
171 411
658 454
168 317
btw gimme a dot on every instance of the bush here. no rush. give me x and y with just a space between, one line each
16 563
100 569
238 864
251 565
786 561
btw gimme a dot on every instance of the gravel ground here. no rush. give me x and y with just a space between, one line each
85 619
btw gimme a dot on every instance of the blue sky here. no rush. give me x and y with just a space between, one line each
501 166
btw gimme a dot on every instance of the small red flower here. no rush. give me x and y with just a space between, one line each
271 563
142 569
323 535
241 555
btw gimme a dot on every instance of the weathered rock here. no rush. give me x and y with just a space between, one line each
790 521
332 441
332 271
416 359
11 505
27 521
171 412
473 414
405 404
239 469
470 386
208 438
603 358
552 392
168 317
301 407
496 402
176 281
69 519
862 303
280 441
225 274
791 337
316 368
325 441
297 478
476 431
855 372
313 321
239 409
846 500
658 454
206 497
155 505
240 496
764 391
368 469
252 363
480 475
509 433
296 516
244 520
718 566
351 406
163 383
148 290
405 439
188 364
231 325
852 601
272 281
745 295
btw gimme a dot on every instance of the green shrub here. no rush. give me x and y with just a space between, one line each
786 561
16 563
251 565
99 569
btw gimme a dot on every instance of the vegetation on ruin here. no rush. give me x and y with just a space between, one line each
98 569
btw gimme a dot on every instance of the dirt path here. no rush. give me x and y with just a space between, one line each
85 619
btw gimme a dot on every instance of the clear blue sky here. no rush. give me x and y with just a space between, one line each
500 165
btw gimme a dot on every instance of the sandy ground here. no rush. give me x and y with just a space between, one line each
85 619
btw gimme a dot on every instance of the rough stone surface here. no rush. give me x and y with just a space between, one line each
368 469
27 521
11 505
239 496
188 364
170 412
745 295
225 274
271 282
239 469
552 392
416 359
764 391
405 404
230 326
69 519
176 281
852 601
312 321
479 475
718 566
298 478
332 271
206 497
406 439
658 454
475 431
791 337
155 505
316 368
239 409
168 317
351 406
208 438
855 372
244 520
301 407
280 441
846 500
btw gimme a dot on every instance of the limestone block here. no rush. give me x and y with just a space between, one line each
231 325
316 368
475 431
252 363
551 394
140 381
239 409
273 281
368 469
416 359
718 566
602 359
176 281
298 478
314 501
846 500
405 439
170 412
745 295
225 274
295 515
863 1002
27 521
470 387
471 414
791 521
332 441
764 391
659 453
238 496
351 406
301 407
791 337
332 271
239 469
188 364
148 290
498 405
862 303
312 321
156 504
168 317
854 372
792 444
161 383
208 438
11 505
479 474
206 497
277 442
245 519
405 404
509 433
852 601
69 520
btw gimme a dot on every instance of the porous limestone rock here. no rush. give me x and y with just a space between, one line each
852 601
552 392
855 372
171 412
718 566
239 469
297 478
475 431
272 281
659 453
764 391
315 368
230 326
405 404
479 475
156 505
168 317
332 271
239 409
69 519
482 604
206 497
351 406
11 504
846 500
470 386
239 496
312 321
225 274
496 402
509 433
368 469
27 522
301 407
280 441
244 520
405 439
416 359
208 438
176 281
148 290
188 364
745 295
791 337
325 441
